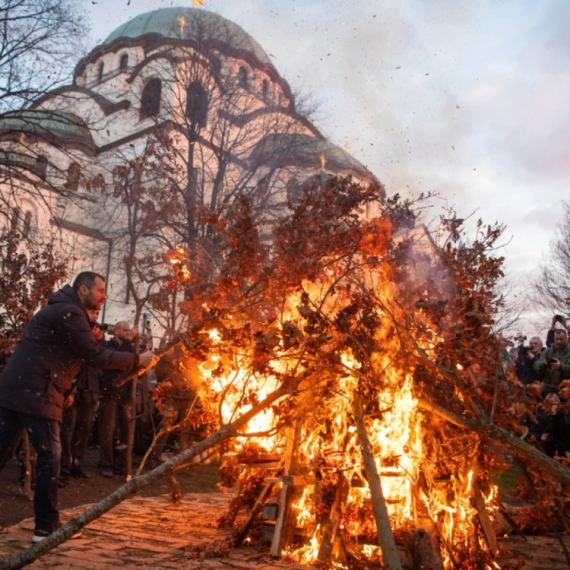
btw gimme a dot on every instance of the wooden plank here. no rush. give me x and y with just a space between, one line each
484 519
270 509
285 524
300 480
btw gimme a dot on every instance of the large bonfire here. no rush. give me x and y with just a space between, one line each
365 359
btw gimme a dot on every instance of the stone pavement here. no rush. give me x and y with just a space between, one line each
147 531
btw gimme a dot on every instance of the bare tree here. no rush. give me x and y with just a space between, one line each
39 42
222 132
552 287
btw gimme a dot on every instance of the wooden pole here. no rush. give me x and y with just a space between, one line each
132 420
28 467
385 537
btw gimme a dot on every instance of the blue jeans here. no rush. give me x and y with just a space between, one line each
44 436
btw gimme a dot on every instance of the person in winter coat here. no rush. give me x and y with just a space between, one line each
526 358
40 372
553 366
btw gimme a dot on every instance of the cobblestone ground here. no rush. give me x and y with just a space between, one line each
145 531
155 533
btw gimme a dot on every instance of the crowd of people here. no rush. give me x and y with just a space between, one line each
63 372
550 365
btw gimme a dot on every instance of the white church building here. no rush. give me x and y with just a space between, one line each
178 107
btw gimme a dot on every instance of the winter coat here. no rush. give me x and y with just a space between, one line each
89 378
49 356
525 365
110 377
548 375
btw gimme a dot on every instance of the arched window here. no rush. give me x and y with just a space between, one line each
265 90
124 63
73 173
197 103
14 222
150 98
242 77
100 72
27 224
23 220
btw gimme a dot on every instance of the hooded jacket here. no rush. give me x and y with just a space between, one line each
49 357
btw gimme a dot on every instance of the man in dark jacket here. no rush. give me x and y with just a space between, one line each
78 417
526 358
40 372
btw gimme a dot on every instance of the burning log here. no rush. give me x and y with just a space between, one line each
332 521
385 536
484 519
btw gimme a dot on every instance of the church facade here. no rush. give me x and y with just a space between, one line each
178 111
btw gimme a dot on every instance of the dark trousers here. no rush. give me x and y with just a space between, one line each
109 407
75 429
44 436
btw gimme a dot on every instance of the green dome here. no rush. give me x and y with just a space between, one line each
305 149
200 25
45 123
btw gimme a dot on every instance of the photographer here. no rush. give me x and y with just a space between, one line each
550 335
553 366
526 358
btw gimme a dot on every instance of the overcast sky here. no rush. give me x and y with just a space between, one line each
467 99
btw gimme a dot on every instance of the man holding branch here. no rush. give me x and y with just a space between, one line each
40 372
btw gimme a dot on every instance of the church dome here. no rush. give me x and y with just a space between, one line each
184 23
47 124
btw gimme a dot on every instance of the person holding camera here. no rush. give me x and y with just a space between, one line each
556 319
526 357
553 366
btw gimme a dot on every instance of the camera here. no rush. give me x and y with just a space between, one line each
558 318
103 326
520 338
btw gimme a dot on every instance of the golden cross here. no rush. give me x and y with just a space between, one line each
183 24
